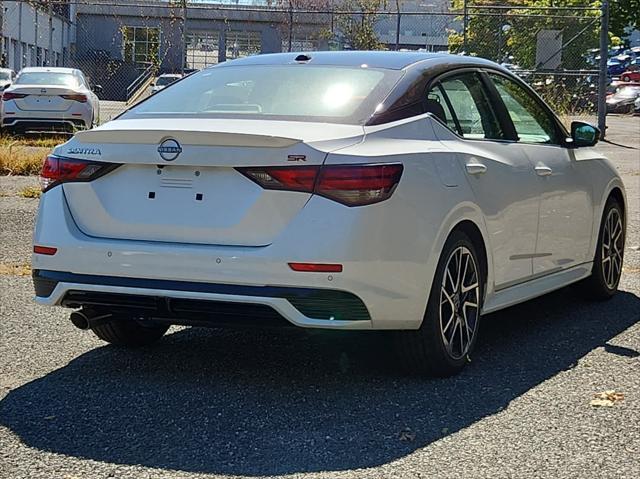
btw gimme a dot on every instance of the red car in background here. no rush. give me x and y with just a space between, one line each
631 76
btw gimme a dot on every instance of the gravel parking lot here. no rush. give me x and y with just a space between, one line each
209 403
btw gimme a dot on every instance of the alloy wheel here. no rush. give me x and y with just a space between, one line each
459 302
612 248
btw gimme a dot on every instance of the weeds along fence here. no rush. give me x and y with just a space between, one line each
124 44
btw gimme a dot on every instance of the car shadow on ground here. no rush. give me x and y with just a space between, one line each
275 402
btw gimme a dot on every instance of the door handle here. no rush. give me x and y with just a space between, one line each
543 170
475 168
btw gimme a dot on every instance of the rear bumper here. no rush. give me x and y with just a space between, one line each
186 302
390 279
46 124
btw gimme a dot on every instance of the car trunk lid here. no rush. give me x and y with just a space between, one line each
181 184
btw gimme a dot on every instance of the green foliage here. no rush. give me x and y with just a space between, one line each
358 29
511 34
623 14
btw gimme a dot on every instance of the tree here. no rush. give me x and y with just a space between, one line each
358 24
511 34
623 15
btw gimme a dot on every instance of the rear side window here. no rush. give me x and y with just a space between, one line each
473 116
532 122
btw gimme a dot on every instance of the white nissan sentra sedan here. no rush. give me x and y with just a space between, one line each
409 192
49 98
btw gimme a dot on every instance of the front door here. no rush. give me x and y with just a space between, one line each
566 211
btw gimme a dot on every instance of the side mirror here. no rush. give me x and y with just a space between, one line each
584 134
97 88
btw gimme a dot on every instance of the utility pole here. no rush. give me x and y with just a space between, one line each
290 25
602 74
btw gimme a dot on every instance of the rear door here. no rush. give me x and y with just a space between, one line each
566 206
499 174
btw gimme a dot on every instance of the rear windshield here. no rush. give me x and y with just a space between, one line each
47 78
282 92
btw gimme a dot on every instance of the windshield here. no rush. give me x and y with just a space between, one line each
47 78
5 76
282 92
164 81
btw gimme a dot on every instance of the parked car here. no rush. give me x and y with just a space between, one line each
410 192
616 67
164 81
623 99
631 76
48 98
7 77
636 106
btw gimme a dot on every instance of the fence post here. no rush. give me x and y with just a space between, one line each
465 27
398 25
184 36
290 25
602 74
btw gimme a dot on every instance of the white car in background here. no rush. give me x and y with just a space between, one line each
410 192
7 76
164 81
48 98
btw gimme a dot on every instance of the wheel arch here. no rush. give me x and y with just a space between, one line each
474 233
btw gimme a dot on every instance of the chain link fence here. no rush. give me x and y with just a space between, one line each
123 45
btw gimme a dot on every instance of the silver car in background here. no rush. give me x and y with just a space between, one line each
7 76
48 98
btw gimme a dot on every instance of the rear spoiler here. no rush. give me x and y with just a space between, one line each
188 137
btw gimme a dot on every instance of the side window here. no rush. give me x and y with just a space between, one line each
532 123
472 113
437 104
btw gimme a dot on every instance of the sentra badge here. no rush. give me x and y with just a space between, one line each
84 151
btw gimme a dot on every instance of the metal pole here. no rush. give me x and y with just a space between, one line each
290 26
398 25
602 76
465 27
50 12
184 35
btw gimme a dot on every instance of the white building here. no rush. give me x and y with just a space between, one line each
34 36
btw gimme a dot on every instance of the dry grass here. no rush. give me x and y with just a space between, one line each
38 141
30 192
22 160
15 269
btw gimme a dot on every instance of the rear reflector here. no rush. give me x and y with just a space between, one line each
7 95
56 170
79 97
49 251
351 185
316 267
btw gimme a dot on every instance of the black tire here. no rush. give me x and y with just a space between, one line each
601 285
625 78
129 332
425 350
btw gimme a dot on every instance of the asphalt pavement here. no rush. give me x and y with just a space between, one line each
212 404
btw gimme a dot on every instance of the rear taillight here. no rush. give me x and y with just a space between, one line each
79 97
8 95
351 185
56 170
